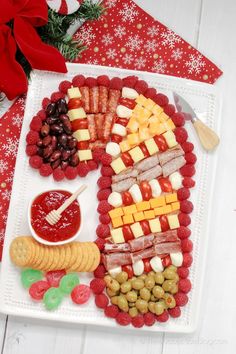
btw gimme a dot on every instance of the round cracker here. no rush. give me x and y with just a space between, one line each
56 257
85 258
40 256
44 259
73 258
79 256
67 257
21 251
62 255
50 258
91 256
97 257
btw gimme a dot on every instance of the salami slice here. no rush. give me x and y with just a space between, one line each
123 185
92 127
115 260
173 165
103 99
168 155
124 175
167 236
108 123
85 98
167 247
141 243
98 144
147 253
147 163
113 100
99 121
116 247
153 172
94 99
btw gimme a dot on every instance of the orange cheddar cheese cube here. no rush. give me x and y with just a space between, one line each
115 213
124 146
169 124
167 209
149 214
144 134
133 139
116 222
145 205
159 211
157 110
139 216
149 104
170 198
143 116
157 202
154 127
128 219
175 206
133 125
141 100
160 129
130 209
163 116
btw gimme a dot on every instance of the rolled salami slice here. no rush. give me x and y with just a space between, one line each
152 173
173 165
147 163
114 260
92 127
168 247
147 253
124 175
98 144
123 185
167 236
94 99
170 154
99 121
116 247
113 100
85 97
141 243
108 123
103 99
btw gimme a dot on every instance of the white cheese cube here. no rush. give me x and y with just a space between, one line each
73 92
77 113
118 165
170 138
151 146
117 235
173 221
123 112
136 154
136 193
113 149
82 134
128 92
136 229
155 225
119 129
85 155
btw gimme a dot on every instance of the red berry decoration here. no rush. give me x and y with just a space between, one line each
184 219
178 119
183 272
78 80
188 182
41 114
106 159
163 317
103 231
187 146
186 206
36 123
104 219
101 301
175 312
186 245
149 319
103 80
116 83
123 319
92 165
184 285
100 243
187 260
141 86
103 194
150 93
181 299
97 153
107 171
181 135
55 96
100 271
64 86
183 232
104 182
35 161
130 81
161 99
111 311
169 109
31 150
183 194
58 174
190 158
104 207
45 170
90 82
45 102
32 137
187 170
71 172
97 285
138 321
83 169
80 294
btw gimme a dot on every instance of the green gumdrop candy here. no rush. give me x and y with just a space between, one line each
69 282
30 276
52 298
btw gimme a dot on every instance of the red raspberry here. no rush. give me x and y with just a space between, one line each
35 161
149 319
55 96
181 135
186 206
181 299
186 245
104 219
150 93
116 83
111 311
130 81
103 231
163 317
97 153
45 170
36 123
64 86
100 271
100 243
187 170
106 159
31 150
92 165
188 182
183 232
183 272
187 260
183 193
32 137
97 285
78 80
178 119
71 172
138 321
45 102
169 109
82 169
103 207
190 157
161 100
123 319
103 80
187 146
101 301
58 174
184 285
90 82
141 86
107 171
41 114
103 194
104 182
175 312
184 219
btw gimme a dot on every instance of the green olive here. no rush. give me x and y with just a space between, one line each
168 285
158 291
145 294
152 273
114 300
149 282
143 277
169 274
107 279
123 303
125 287
110 292
172 267
174 289
169 300
159 278
133 312
122 277
137 284
113 285
131 296
131 304
159 308
142 305
151 306
153 298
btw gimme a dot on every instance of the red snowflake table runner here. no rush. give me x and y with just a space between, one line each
126 37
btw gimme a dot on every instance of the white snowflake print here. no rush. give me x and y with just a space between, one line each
92 62
2 234
170 39
152 31
3 166
107 39
110 3
134 42
140 63
159 66
177 54
11 147
9 179
85 35
120 31
150 45
111 53
6 195
128 13
128 58
17 120
21 103
195 63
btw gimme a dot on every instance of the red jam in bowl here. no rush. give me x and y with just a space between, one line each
66 227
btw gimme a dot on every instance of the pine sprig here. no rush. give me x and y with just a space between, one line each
69 48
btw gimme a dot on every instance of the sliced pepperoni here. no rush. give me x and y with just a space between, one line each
94 99
92 127
114 96
103 99
85 98
99 121
108 122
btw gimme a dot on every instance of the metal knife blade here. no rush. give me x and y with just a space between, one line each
184 107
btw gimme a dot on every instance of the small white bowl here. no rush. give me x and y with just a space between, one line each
45 242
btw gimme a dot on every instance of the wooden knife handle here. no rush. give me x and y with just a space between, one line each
208 138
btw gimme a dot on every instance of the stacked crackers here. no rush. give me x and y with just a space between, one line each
73 257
